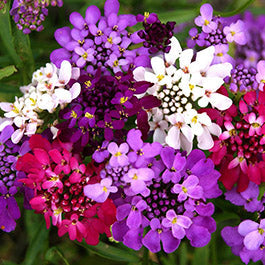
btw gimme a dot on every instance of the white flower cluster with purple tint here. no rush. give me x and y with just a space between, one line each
50 87
181 89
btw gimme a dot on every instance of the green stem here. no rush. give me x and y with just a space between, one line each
236 11
146 257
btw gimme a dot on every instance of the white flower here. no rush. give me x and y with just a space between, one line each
180 134
219 101
159 126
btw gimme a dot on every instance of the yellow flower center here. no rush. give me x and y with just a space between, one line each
135 177
184 189
110 40
174 221
194 119
146 16
261 231
116 63
105 189
233 33
118 154
89 116
85 55
206 22
73 114
58 211
15 109
191 86
220 54
160 77
123 100
255 125
88 83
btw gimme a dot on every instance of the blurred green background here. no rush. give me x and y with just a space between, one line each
31 243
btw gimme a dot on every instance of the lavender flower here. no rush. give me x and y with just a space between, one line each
205 20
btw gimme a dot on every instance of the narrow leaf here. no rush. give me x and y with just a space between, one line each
54 251
111 252
201 256
7 71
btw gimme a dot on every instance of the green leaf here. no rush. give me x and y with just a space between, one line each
7 71
7 37
178 16
261 191
17 45
113 253
183 254
6 262
24 52
238 10
38 243
53 253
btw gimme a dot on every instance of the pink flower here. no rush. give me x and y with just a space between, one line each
256 123
74 227
236 32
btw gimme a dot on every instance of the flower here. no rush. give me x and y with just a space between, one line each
236 32
59 181
260 76
205 20
147 196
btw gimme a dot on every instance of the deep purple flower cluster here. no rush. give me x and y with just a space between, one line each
254 50
242 79
103 107
156 35
161 190
97 41
29 15
9 185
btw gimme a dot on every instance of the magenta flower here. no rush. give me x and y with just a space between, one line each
256 123
74 227
205 20
253 233
119 157
178 223
236 32
99 192
189 188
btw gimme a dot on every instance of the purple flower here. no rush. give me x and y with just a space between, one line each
99 192
178 223
101 153
138 179
236 32
174 163
158 233
205 20
85 56
247 198
221 55
189 188
253 233
119 157
89 118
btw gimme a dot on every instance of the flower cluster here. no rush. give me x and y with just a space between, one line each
57 179
239 149
158 189
100 41
29 15
9 179
183 91
50 88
